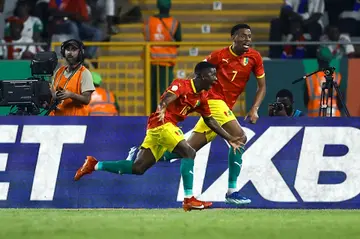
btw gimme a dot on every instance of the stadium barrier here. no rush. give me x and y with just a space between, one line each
313 163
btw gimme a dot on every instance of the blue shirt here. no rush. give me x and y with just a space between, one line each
298 113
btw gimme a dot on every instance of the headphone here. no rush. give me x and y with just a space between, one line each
79 44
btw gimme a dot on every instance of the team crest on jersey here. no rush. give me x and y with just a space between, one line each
174 88
245 61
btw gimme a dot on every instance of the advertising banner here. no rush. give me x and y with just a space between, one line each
288 163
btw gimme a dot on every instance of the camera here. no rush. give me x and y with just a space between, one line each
277 106
329 71
28 95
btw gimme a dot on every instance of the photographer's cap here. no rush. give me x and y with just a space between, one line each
73 43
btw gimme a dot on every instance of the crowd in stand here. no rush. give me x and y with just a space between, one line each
316 20
46 21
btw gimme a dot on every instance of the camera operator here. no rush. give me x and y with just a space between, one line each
72 85
313 85
284 105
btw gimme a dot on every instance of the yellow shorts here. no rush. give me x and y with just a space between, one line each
221 113
162 138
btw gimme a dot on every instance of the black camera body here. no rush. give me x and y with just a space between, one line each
329 71
28 95
277 106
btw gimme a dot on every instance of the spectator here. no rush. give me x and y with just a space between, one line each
296 35
349 18
162 28
17 51
7 8
336 51
103 102
41 10
308 12
103 15
127 12
72 17
33 26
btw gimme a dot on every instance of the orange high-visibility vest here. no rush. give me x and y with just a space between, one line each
68 107
154 30
314 84
102 103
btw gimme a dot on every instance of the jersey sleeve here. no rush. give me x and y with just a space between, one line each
204 109
258 69
213 58
177 88
86 82
38 26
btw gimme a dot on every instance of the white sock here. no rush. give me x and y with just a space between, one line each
231 190
96 166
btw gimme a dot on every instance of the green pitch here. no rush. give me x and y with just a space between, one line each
175 223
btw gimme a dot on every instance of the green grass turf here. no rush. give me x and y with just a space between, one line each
175 223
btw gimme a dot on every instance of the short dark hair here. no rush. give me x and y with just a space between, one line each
285 93
202 66
235 28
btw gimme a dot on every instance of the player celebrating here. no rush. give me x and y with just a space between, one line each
234 65
181 98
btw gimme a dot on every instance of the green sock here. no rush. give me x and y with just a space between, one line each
119 167
168 155
187 169
235 163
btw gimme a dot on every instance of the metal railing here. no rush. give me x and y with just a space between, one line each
126 68
23 44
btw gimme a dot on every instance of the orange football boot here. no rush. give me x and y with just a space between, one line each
192 203
87 168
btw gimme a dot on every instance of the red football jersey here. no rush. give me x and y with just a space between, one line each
233 72
187 102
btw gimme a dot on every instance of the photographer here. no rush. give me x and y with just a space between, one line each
72 85
284 105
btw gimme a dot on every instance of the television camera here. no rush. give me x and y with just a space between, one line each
31 94
327 92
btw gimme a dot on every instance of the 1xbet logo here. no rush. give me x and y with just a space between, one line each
258 167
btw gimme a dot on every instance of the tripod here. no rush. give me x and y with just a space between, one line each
327 93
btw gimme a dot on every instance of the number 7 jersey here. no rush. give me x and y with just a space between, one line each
233 72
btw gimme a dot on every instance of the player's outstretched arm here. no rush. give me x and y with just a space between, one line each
168 98
260 93
259 97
